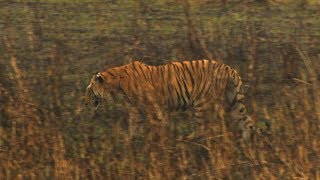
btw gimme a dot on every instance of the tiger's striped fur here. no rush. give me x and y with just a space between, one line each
199 84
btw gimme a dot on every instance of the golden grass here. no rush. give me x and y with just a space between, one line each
45 133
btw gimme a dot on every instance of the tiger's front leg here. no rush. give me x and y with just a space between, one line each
145 116
204 115
151 105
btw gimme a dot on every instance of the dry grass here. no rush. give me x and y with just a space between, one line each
49 50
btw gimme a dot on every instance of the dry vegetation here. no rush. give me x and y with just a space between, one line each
50 49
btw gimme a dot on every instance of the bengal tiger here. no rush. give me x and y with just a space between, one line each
199 84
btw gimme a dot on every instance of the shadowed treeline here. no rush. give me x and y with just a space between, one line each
49 50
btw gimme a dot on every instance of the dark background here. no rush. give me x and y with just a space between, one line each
49 50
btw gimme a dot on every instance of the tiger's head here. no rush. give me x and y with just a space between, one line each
244 122
100 87
237 109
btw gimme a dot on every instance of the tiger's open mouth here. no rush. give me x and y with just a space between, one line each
96 102
92 99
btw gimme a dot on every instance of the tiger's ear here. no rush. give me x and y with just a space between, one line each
245 88
99 78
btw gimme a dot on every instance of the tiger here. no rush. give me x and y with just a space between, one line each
198 84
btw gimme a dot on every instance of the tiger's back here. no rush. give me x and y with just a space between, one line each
189 83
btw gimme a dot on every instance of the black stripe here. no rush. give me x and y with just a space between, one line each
169 77
183 71
178 95
134 69
163 73
185 80
162 82
191 63
202 88
151 76
199 79
109 73
170 87
222 75
209 77
197 64
179 84
157 69
143 72
148 73
190 75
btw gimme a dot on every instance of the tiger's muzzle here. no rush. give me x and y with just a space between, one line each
91 98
